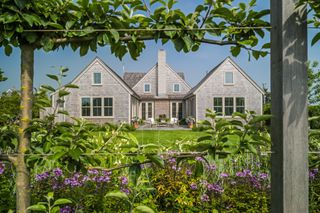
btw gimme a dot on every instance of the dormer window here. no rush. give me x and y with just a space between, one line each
97 78
147 88
228 78
176 87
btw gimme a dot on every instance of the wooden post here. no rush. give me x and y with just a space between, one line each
289 172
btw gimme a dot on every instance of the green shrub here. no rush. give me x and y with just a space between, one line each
314 111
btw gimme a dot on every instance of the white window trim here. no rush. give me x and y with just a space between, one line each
177 108
147 111
234 104
94 84
224 78
144 88
91 106
179 87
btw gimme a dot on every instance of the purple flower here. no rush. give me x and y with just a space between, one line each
2 166
172 160
240 174
224 175
247 172
57 172
263 176
204 183
93 171
188 172
127 191
43 176
212 167
124 180
66 209
200 159
215 188
193 186
205 198
313 173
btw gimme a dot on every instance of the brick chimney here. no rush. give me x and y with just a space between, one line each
162 75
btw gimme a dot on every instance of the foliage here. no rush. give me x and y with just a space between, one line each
2 77
64 19
313 83
7 195
246 127
313 112
50 206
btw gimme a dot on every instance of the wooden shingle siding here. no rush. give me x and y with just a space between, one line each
149 78
214 87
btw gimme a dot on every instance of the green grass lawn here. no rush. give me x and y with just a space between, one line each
166 137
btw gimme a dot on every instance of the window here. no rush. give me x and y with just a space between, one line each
61 102
217 105
240 104
143 110
228 77
150 110
176 87
146 110
176 110
228 106
97 107
108 107
147 88
85 106
97 78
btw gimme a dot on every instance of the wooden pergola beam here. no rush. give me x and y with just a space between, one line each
289 172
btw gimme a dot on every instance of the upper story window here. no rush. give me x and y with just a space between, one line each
147 88
97 78
176 87
85 107
228 78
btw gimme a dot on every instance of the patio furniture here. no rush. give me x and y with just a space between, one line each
173 122
150 121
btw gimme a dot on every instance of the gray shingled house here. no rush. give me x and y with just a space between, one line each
103 96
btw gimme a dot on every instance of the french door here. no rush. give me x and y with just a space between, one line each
146 110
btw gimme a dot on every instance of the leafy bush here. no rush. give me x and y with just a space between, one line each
314 111
7 195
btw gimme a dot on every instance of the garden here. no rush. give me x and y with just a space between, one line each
83 167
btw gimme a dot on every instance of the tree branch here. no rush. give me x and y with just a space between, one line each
207 15
9 158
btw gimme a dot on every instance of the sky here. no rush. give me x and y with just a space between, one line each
195 65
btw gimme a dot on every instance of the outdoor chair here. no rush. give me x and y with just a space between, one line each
173 122
150 122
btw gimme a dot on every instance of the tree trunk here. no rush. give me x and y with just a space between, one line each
23 179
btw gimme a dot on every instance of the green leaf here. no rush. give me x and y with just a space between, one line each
134 173
188 42
144 209
31 37
62 201
256 54
157 160
235 51
47 87
63 93
84 49
260 118
41 208
205 138
54 77
75 153
115 35
315 39
118 194
20 3
63 112
71 86
178 44
252 149
8 50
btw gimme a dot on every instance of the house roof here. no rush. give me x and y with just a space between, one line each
208 75
109 69
132 78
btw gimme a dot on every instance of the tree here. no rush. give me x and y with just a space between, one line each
313 83
2 77
124 26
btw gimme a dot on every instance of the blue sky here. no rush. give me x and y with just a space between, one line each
194 64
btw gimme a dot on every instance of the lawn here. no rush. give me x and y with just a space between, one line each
166 137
